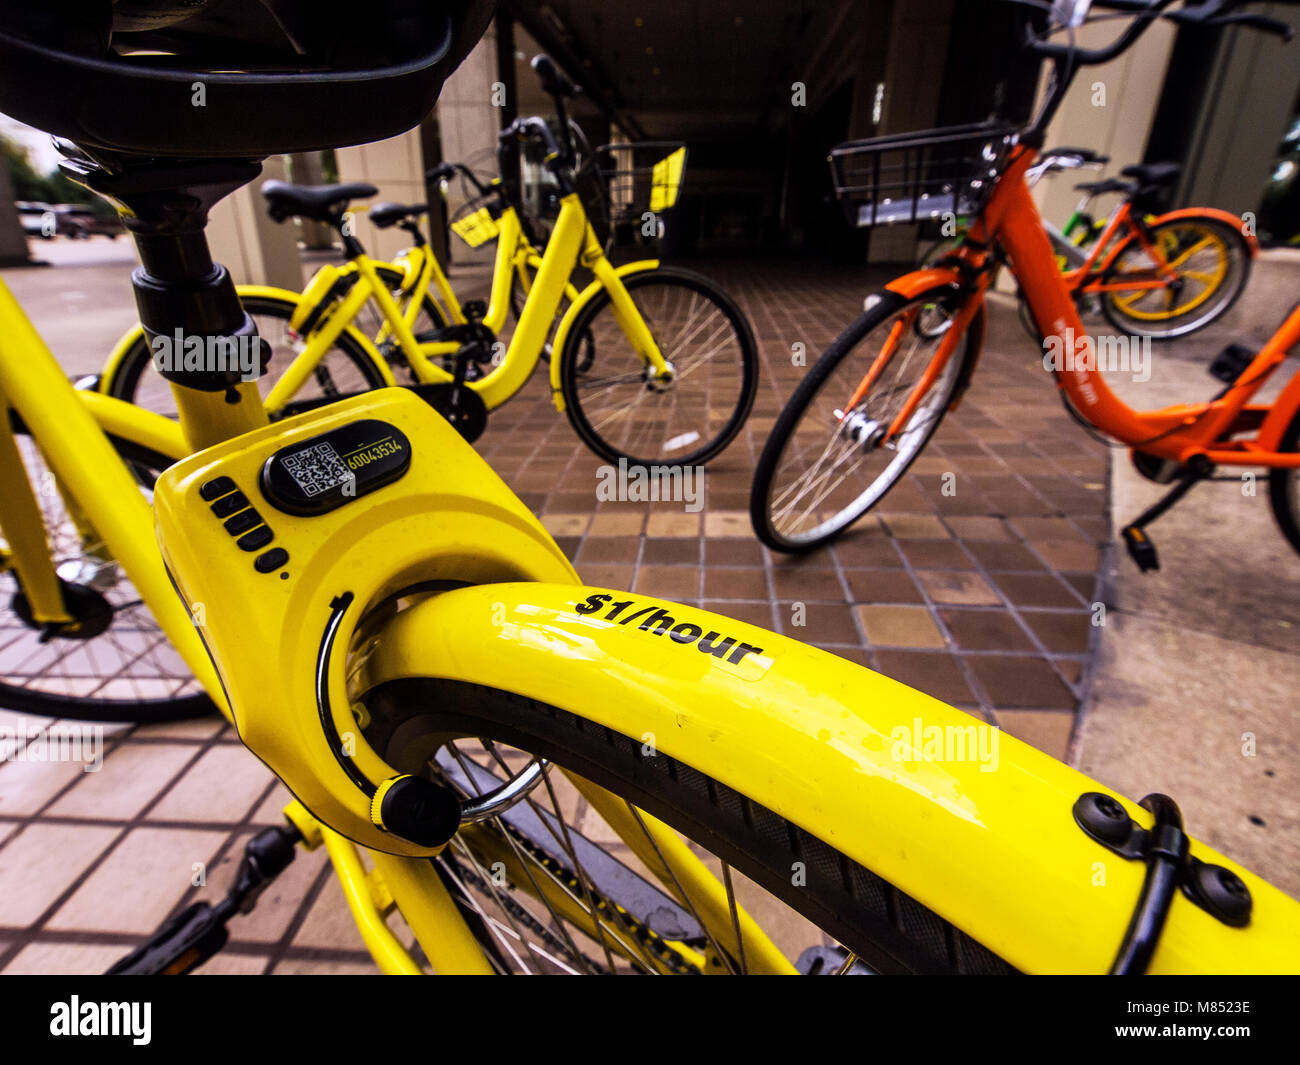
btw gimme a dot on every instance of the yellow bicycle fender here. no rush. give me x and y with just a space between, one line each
583 298
984 835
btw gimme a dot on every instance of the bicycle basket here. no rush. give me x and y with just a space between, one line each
624 182
475 223
911 177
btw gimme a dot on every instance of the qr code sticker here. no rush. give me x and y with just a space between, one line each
317 469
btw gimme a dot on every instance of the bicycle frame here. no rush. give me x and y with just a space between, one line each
546 279
1181 432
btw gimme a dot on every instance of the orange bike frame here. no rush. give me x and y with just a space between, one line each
1179 432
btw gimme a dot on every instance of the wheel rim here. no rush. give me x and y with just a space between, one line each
817 486
1206 265
650 421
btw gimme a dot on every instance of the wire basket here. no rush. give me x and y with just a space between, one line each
624 182
475 222
913 177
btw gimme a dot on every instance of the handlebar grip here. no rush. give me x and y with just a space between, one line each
440 172
554 83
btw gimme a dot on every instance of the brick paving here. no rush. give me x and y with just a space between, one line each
982 598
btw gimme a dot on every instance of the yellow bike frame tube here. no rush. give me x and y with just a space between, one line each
990 844
434 918
322 340
576 303
625 310
129 422
87 466
539 311
23 529
389 954
509 239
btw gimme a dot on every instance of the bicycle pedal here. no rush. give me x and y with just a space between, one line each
1231 363
1142 550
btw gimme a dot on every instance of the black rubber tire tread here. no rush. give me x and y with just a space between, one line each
888 930
572 363
1284 509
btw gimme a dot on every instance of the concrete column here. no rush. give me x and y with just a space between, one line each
918 46
13 241
253 248
396 167
305 169
468 123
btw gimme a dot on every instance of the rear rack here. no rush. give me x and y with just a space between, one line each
912 177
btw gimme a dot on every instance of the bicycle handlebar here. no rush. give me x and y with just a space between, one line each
450 170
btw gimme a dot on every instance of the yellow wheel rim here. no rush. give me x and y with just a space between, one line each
1192 239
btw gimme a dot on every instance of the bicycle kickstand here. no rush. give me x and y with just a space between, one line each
186 941
1134 534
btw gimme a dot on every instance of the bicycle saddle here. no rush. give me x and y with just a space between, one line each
1153 174
384 215
1099 188
228 78
322 203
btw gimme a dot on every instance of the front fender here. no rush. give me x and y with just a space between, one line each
1226 217
990 844
566 323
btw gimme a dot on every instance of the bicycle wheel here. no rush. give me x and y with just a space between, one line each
621 412
824 465
552 886
119 666
1212 261
1284 488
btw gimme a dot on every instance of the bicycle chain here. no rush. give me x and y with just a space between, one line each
649 940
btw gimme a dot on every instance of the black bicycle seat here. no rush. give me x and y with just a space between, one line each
384 215
1153 174
1100 188
228 78
322 203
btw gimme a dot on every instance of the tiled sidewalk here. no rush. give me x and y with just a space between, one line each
982 598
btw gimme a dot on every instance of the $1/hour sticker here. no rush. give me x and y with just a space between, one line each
737 656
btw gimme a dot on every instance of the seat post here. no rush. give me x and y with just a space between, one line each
179 291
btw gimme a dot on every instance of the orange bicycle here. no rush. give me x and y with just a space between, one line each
871 402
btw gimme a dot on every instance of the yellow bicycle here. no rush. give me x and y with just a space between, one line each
546 776
653 365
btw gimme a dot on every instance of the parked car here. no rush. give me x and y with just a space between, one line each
37 219
79 222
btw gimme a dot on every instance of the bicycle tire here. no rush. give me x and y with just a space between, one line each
1238 251
889 305
887 929
136 710
576 361
1284 488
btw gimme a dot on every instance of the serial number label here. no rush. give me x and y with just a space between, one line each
747 659
364 456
